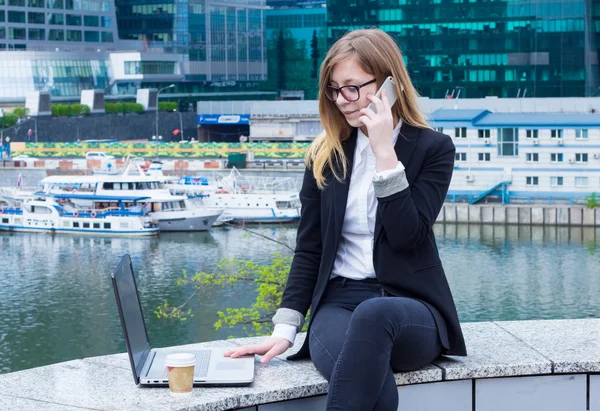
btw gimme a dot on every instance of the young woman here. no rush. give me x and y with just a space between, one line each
366 260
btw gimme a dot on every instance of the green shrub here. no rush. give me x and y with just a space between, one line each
167 106
79 110
60 110
118 108
9 120
134 108
20 111
593 201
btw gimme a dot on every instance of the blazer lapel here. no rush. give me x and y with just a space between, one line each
340 189
405 144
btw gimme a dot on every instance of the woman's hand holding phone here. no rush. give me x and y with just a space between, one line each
380 128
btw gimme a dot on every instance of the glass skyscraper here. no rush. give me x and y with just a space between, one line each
222 42
55 45
478 48
296 45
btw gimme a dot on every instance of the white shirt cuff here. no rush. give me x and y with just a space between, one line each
285 331
387 173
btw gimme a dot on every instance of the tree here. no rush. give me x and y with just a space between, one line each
270 280
314 54
281 61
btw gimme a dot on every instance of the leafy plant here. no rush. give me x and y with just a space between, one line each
20 111
167 106
270 280
593 201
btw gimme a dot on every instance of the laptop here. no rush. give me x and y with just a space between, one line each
147 363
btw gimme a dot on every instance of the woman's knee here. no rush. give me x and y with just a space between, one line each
376 311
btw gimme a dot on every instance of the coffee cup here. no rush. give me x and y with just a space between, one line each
180 367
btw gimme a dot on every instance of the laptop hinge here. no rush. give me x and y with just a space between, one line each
148 364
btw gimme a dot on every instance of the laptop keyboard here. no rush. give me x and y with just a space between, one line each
202 362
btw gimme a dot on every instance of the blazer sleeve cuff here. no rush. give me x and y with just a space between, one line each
289 317
394 181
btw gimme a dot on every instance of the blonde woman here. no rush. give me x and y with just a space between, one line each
366 260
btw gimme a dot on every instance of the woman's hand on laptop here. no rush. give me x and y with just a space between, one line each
268 349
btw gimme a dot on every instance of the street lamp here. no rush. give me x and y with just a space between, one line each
180 124
164 88
157 140
36 135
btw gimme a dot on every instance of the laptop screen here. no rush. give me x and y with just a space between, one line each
132 318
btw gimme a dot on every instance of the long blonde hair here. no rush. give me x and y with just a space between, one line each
377 54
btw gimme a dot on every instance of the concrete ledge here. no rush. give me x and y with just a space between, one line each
549 362
519 214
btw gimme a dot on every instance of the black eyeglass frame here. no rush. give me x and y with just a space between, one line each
339 90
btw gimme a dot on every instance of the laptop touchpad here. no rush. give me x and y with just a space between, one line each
230 365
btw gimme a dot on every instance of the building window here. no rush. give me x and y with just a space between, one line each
460 156
532 181
91 36
16 16
91 21
460 132
439 129
149 67
556 157
107 37
56 19
56 35
18 3
581 133
73 20
36 3
581 158
532 133
581 181
106 22
556 181
557 133
73 35
483 133
508 142
55 4
16 34
484 156
36 18
37 34
532 157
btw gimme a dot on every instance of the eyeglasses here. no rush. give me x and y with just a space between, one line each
349 92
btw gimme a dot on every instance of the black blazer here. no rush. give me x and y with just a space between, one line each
405 255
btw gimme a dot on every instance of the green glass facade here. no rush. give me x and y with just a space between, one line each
506 48
296 45
223 43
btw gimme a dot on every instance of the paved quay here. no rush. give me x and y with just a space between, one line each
550 365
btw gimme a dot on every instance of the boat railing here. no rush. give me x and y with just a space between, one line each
11 210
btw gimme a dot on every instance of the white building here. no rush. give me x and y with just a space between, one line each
544 150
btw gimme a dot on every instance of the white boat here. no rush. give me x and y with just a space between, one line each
247 199
174 213
49 215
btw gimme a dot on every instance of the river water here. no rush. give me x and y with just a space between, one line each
57 302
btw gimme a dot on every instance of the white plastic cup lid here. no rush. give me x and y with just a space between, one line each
180 360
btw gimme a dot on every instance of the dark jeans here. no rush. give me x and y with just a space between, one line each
360 336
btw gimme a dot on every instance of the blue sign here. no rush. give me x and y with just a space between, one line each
223 118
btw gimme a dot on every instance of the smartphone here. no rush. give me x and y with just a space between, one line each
390 87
